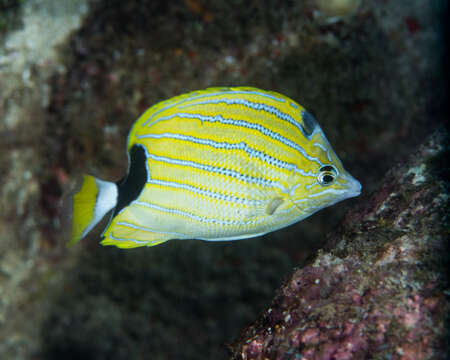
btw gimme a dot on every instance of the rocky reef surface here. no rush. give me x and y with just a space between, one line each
380 289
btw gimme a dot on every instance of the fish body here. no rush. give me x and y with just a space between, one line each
216 164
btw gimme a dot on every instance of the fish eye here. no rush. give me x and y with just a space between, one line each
327 175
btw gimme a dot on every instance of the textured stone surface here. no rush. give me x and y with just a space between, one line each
29 57
380 291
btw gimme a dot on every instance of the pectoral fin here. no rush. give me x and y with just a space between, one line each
273 205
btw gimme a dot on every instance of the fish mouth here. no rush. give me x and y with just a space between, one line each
353 186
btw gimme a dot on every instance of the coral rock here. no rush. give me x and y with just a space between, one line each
377 290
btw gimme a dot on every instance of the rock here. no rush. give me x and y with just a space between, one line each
29 58
377 291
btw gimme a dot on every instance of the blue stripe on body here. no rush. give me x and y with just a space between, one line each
219 93
219 170
207 193
198 218
254 106
230 146
319 145
332 191
324 149
242 123
111 236
146 229
309 186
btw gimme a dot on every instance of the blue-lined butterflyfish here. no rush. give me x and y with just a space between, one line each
216 164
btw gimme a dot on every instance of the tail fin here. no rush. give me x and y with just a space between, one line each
90 204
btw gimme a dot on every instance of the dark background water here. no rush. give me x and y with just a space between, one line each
373 78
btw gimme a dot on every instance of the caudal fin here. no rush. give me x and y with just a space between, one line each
90 204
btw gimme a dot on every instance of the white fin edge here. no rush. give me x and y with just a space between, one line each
106 200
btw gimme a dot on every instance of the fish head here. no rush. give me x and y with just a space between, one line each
327 182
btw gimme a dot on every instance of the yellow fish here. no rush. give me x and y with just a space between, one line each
216 164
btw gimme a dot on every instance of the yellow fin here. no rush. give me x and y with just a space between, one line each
129 243
125 234
94 199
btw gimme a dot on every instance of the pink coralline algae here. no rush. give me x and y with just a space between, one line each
377 292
